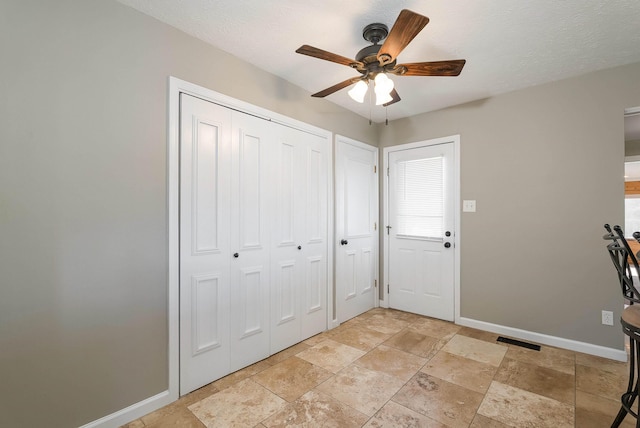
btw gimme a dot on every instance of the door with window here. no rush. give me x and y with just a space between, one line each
420 230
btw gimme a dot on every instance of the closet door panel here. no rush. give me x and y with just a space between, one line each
205 152
314 230
285 255
250 270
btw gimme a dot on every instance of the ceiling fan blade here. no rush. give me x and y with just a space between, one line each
433 68
328 56
406 27
335 87
395 96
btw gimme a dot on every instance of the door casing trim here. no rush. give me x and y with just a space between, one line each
455 139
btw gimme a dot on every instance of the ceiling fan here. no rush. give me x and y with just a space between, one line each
375 61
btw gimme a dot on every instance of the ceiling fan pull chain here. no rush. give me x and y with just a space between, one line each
386 116
369 108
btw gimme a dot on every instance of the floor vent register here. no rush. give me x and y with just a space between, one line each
518 343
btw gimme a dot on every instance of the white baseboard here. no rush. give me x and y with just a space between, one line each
559 342
132 412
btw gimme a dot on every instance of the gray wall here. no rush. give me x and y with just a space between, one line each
545 165
632 148
83 223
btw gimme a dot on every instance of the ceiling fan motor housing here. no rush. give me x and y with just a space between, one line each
368 54
369 57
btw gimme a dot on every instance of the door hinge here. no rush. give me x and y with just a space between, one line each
375 169
388 227
375 226
387 288
387 171
375 283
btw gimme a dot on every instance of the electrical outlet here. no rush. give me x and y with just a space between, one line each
607 317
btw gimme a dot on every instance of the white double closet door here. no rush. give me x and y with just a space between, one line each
253 239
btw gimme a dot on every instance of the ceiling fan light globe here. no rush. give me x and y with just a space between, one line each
358 92
383 98
383 82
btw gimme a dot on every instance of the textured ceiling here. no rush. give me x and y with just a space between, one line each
508 44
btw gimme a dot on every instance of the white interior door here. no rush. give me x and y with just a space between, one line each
250 239
420 230
205 157
356 227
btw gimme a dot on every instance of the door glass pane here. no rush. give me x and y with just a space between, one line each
420 190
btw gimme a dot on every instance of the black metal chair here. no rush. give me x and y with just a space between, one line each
625 263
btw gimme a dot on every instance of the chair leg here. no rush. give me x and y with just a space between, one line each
619 418
630 395
636 378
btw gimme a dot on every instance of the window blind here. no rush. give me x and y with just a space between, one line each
420 190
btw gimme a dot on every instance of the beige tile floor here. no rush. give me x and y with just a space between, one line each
388 368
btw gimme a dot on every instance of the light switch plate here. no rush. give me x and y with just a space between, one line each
469 206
